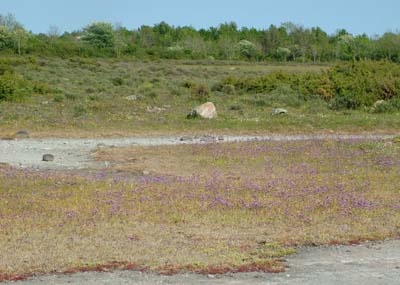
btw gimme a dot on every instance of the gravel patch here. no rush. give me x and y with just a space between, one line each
75 153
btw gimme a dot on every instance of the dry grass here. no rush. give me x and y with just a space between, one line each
203 208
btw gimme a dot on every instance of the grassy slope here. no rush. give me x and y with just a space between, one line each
88 98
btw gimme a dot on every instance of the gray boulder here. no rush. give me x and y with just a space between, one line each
48 157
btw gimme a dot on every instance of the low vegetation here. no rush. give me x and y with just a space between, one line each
91 97
246 206
345 86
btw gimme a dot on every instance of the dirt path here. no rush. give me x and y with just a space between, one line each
367 264
75 153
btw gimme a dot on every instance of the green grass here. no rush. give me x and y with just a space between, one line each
88 97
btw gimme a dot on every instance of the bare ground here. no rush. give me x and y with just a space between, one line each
370 263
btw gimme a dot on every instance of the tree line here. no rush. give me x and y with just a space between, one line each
287 42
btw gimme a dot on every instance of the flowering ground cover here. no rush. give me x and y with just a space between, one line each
208 208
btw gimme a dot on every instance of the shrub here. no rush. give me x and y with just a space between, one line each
228 89
117 81
344 101
71 96
59 98
200 92
80 110
12 87
345 86
41 88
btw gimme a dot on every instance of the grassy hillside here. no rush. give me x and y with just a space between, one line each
80 97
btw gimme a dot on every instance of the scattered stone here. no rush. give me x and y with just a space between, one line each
155 109
22 134
279 111
101 145
220 138
208 139
146 172
131 98
211 276
206 111
186 139
48 157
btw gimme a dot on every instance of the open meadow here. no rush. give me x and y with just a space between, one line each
86 97
208 208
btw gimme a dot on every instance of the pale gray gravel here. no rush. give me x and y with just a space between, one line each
75 153
367 264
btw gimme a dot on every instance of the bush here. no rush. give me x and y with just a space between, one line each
12 87
228 89
344 101
117 81
59 98
71 96
41 88
80 110
344 86
200 92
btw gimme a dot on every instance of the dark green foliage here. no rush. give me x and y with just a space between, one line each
12 87
200 92
345 86
117 81
80 110
59 98
288 42
41 88
71 96
99 35
192 115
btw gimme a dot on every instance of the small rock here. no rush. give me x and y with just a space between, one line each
279 111
22 134
131 98
211 276
101 145
146 172
220 138
48 157
207 139
155 109
186 139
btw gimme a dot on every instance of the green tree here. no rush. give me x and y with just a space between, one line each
247 49
100 35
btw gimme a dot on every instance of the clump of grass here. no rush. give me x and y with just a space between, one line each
80 110
59 98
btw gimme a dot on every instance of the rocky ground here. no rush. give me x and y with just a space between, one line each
75 153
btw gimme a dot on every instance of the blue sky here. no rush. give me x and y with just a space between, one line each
356 16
